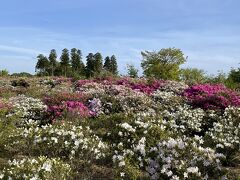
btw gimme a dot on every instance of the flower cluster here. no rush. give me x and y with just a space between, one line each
208 96
119 128
183 158
28 107
65 140
36 168
225 133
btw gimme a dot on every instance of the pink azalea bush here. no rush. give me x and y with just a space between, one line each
74 108
77 108
208 96
147 88
140 85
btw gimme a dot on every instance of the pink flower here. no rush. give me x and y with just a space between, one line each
207 96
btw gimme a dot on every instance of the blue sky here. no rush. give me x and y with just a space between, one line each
207 31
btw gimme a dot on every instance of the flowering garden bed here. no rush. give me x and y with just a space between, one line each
118 129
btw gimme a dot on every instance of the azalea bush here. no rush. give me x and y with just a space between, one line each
207 96
36 168
118 128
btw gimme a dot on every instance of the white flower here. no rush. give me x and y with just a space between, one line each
193 170
185 174
169 173
54 139
175 177
128 127
120 133
34 178
122 174
122 163
47 167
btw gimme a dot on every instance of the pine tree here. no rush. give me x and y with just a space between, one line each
98 65
42 64
76 61
90 65
113 65
52 61
65 61
132 71
107 64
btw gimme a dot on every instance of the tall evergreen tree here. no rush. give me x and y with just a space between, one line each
65 60
132 71
76 61
113 65
52 61
42 64
98 65
107 64
90 65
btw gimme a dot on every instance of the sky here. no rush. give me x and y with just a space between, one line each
207 31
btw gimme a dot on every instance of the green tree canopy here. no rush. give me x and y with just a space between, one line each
107 64
90 65
192 75
234 75
113 65
65 61
98 65
42 64
76 61
132 71
52 61
163 64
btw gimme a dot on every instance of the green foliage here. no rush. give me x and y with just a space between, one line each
98 65
20 82
52 61
110 65
42 64
132 71
90 65
65 60
234 75
107 64
4 72
22 74
163 64
192 75
113 65
76 62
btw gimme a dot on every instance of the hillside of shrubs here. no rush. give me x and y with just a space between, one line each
118 128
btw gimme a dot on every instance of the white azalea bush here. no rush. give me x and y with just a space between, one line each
225 134
36 168
183 158
28 107
65 140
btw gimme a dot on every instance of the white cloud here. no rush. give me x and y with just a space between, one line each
20 50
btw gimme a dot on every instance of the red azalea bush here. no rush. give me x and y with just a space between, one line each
208 96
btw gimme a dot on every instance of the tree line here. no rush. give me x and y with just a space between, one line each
163 64
70 64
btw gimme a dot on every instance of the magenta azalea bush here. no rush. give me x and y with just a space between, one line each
69 107
211 96
147 88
